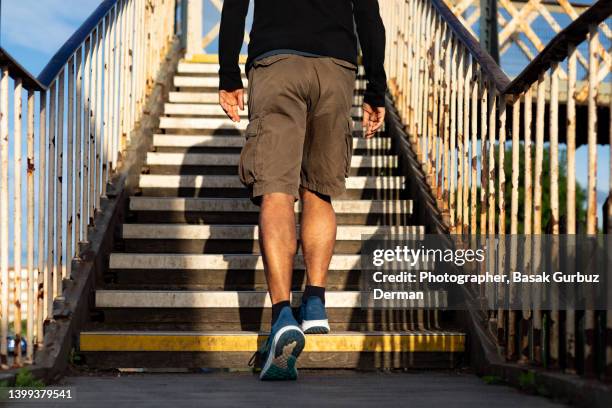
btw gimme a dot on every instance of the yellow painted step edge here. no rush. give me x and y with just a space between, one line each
211 59
357 342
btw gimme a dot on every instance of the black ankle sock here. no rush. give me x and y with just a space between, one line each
318 291
276 309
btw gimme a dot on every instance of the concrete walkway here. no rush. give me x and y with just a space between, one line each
335 389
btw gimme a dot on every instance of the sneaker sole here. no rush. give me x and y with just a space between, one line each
315 326
286 347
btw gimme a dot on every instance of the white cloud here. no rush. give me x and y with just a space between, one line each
43 25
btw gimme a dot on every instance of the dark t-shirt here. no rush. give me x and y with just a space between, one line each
317 27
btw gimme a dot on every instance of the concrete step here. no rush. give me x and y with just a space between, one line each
211 159
212 239
213 69
376 144
363 187
213 97
245 205
204 109
186 299
201 123
258 319
217 279
250 262
213 211
201 68
204 181
193 123
250 232
229 186
364 350
212 82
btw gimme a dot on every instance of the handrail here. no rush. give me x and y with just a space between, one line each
17 71
484 59
465 131
91 101
556 50
60 58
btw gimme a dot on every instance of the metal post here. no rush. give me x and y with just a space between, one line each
194 28
488 27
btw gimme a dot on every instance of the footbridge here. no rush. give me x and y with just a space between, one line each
127 240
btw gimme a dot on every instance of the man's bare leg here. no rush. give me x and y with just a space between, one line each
318 236
278 243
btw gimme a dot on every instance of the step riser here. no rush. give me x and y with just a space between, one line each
213 69
236 150
163 299
175 279
198 123
232 160
213 246
252 218
187 169
243 193
214 110
239 360
193 68
257 320
213 97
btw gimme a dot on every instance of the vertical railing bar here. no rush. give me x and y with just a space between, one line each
51 231
31 286
453 136
87 73
474 148
570 210
107 89
460 139
70 168
93 114
4 215
591 227
98 139
492 129
553 326
78 162
538 332
466 138
484 157
43 223
17 221
59 190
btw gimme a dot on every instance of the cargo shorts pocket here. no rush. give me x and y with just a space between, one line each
348 139
267 61
247 166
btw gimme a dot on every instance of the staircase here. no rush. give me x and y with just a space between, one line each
185 285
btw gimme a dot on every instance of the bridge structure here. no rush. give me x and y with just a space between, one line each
140 249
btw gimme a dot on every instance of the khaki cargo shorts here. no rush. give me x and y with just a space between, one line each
300 126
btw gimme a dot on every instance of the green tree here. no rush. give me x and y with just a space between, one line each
546 212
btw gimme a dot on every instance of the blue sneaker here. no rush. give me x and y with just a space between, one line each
313 316
283 347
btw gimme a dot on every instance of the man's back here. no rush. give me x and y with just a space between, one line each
316 27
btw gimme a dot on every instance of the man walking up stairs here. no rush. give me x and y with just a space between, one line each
302 67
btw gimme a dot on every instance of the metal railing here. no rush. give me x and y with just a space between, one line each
89 98
462 114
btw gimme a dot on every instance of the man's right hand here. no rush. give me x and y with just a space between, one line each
231 101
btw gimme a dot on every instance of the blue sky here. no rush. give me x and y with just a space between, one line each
33 30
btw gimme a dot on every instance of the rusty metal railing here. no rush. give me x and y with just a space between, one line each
462 113
80 112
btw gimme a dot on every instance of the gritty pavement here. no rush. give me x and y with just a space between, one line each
313 389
